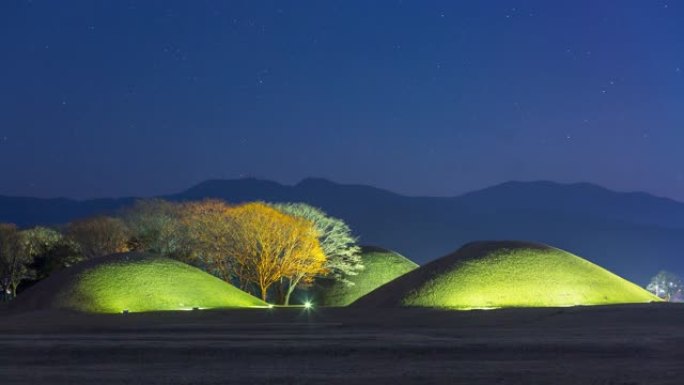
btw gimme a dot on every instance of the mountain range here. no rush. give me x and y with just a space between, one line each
633 234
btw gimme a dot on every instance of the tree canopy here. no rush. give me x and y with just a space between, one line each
49 251
155 226
269 247
336 240
99 236
14 260
667 286
207 224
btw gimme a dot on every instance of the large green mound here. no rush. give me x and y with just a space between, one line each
134 282
380 267
507 274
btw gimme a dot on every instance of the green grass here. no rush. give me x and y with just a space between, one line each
524 277
147 284
380 267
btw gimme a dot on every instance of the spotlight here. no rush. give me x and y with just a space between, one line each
308 305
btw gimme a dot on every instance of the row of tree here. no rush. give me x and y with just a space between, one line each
266 249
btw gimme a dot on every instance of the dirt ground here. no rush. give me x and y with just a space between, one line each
615 345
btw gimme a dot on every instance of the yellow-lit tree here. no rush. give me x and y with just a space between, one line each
269 247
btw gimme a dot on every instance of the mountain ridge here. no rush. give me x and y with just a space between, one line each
311 180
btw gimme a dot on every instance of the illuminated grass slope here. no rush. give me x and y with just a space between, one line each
380 267
507 274
134 282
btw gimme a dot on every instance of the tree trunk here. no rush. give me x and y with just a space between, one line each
279 293
287 297
292 285
263 292
14 291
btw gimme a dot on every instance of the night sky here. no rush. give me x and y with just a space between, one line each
113 98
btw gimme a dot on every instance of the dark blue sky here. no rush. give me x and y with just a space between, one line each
110 98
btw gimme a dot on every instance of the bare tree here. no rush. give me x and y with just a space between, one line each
14 260
99 236
667 286
335 237
156 227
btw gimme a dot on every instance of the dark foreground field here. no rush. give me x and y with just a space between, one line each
602 345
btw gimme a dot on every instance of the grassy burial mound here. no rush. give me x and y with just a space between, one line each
380 267
507 274
135 282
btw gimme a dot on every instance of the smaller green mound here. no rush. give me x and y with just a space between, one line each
134 282
380 267
507 274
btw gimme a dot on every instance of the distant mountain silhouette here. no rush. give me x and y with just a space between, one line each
632 234
578 198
